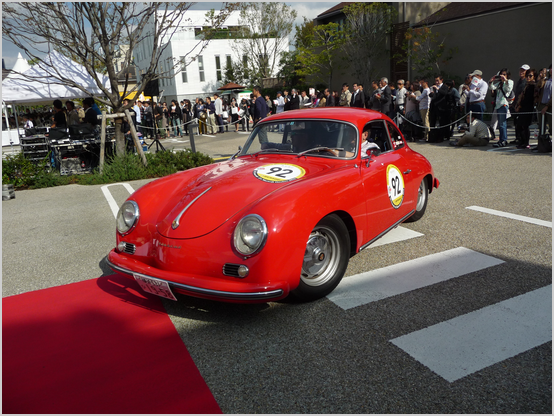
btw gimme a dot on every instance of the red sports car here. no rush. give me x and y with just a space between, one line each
309 189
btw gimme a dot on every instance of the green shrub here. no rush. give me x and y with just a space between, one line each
23 173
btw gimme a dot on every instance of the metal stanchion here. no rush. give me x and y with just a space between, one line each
191 135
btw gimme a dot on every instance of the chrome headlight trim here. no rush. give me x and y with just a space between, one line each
127 217
250 241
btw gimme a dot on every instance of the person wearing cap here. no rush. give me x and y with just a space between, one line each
476 95
280 103
518 89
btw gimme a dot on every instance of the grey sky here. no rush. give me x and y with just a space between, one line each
309 9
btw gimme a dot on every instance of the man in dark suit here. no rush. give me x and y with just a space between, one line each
358 97
329 99
385 97
294 100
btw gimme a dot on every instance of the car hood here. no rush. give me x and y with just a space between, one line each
209 199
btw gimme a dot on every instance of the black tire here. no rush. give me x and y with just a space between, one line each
325 259
421 205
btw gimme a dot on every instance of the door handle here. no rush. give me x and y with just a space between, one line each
408 171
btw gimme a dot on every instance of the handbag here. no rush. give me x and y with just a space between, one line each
225 114
202 115
234 110
241 112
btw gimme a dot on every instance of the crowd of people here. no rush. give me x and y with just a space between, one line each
424 110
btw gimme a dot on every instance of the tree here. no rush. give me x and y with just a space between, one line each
90 33
264 31
317 50
368 26
425 50
290 68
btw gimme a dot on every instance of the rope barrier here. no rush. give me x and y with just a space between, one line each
208 124
456 121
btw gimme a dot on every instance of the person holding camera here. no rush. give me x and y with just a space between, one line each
502 85
477 92
478 134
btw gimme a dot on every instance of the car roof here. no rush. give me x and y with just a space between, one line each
357 116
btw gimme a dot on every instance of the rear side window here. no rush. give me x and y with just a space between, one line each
395 136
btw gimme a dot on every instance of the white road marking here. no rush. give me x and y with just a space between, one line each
511 216
404 277
471 342
111 201
394 236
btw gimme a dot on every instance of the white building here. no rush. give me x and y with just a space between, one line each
203 76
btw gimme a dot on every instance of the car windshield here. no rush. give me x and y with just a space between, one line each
304 137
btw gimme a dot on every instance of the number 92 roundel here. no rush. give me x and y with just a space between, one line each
395 186
279 172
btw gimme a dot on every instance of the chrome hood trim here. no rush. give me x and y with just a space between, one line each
175 222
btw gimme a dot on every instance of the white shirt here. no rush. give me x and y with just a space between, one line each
477 90
424 99
401 96
136 109
280 104
218 106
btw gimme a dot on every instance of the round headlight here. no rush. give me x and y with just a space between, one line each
250 235
127 217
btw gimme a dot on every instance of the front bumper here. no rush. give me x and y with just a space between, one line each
196 286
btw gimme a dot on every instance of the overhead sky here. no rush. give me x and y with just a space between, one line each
308 9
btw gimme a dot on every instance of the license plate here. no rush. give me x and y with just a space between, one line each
155 286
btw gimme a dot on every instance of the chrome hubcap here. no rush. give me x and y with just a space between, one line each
320 257
421 195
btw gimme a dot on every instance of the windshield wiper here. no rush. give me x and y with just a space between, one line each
271 150
317 149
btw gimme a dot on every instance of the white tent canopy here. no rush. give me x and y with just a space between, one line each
21 65
37 85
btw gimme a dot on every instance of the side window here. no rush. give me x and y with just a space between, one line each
378 134
395 136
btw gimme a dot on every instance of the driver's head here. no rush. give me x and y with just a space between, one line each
366 132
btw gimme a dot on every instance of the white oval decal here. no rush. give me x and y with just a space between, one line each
279 172
395 186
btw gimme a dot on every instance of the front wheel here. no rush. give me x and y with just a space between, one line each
325 259
422 197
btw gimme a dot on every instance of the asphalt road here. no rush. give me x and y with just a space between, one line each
319 357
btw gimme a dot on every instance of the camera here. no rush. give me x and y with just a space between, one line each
497 77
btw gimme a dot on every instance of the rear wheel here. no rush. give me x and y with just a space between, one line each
422 197
325 259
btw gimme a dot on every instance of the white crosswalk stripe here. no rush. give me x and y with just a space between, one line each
468 343
511 216
400 278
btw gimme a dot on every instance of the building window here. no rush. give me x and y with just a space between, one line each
229 62
201 67
218 67
183 70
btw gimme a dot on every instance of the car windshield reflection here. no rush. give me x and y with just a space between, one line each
304 137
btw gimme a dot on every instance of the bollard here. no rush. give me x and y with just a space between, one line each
191 135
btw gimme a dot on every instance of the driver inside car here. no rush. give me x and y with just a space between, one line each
367 144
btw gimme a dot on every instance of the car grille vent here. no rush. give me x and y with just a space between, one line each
130 248
231 270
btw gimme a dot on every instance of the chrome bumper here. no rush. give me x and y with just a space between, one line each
272 294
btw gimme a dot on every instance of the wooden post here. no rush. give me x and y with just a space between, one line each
102 142
135 137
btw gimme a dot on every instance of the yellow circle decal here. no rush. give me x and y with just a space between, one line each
279 172
395 186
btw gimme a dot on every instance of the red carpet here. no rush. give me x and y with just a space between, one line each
98 346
